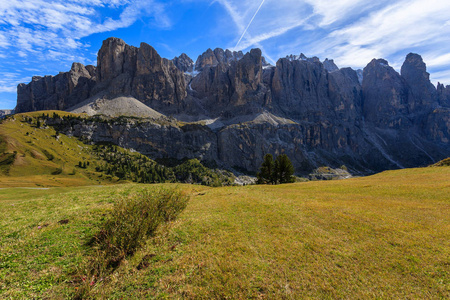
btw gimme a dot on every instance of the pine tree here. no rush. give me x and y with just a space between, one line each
266 173
284 169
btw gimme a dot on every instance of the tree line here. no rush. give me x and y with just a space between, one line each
276 171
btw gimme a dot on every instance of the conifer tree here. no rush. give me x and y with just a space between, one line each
266 173
284 169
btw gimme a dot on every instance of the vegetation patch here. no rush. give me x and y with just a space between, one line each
132 220
279 171
442 163
193 171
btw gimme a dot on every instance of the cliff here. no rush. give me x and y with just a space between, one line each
315 112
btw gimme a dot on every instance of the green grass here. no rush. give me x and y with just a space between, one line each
31 156
34 154
385 236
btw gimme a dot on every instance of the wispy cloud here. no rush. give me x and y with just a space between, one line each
40 31
37 25
353 32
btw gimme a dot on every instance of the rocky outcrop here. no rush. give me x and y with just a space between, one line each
329 65
443 93
229 89
421 92
140 73
385 95
56 92
5 112
163 140
318 114
184 63
122 70
212 58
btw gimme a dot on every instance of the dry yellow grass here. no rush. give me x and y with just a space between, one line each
385 236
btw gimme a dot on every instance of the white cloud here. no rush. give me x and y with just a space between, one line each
434 59
441 76
8 81
353 32
391 33
38 33
332 11
36 25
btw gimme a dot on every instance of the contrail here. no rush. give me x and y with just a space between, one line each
250 23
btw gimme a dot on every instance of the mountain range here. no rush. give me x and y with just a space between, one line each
231 108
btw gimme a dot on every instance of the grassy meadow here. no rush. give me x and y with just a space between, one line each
378 237
37 156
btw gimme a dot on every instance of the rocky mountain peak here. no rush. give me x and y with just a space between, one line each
115 57
414 71
302 56
329 65
213 58
184 63
413 64
385 94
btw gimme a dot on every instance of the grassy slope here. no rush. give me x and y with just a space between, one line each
32 167
384 236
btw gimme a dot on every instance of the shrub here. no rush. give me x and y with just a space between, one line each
57 171
48 154
134 219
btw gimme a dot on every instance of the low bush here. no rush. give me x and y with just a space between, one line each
132 220
57 171
442 163
48 154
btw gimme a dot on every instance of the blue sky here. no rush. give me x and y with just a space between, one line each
42 37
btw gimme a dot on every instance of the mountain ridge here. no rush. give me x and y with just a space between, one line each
390 120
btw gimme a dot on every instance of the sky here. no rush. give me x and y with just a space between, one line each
44 37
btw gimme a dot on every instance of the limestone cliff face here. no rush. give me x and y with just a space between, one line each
422 92
154 139
56 92
121 70
141 73
315 112
234 88
212 58
385 95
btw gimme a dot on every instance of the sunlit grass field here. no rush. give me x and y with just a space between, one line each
43 158
385 236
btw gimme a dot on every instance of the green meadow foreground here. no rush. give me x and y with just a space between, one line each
383 236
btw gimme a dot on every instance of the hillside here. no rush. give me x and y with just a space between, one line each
385 236
32 155
33 152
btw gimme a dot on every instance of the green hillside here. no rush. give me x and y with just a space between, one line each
34 154
385 236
